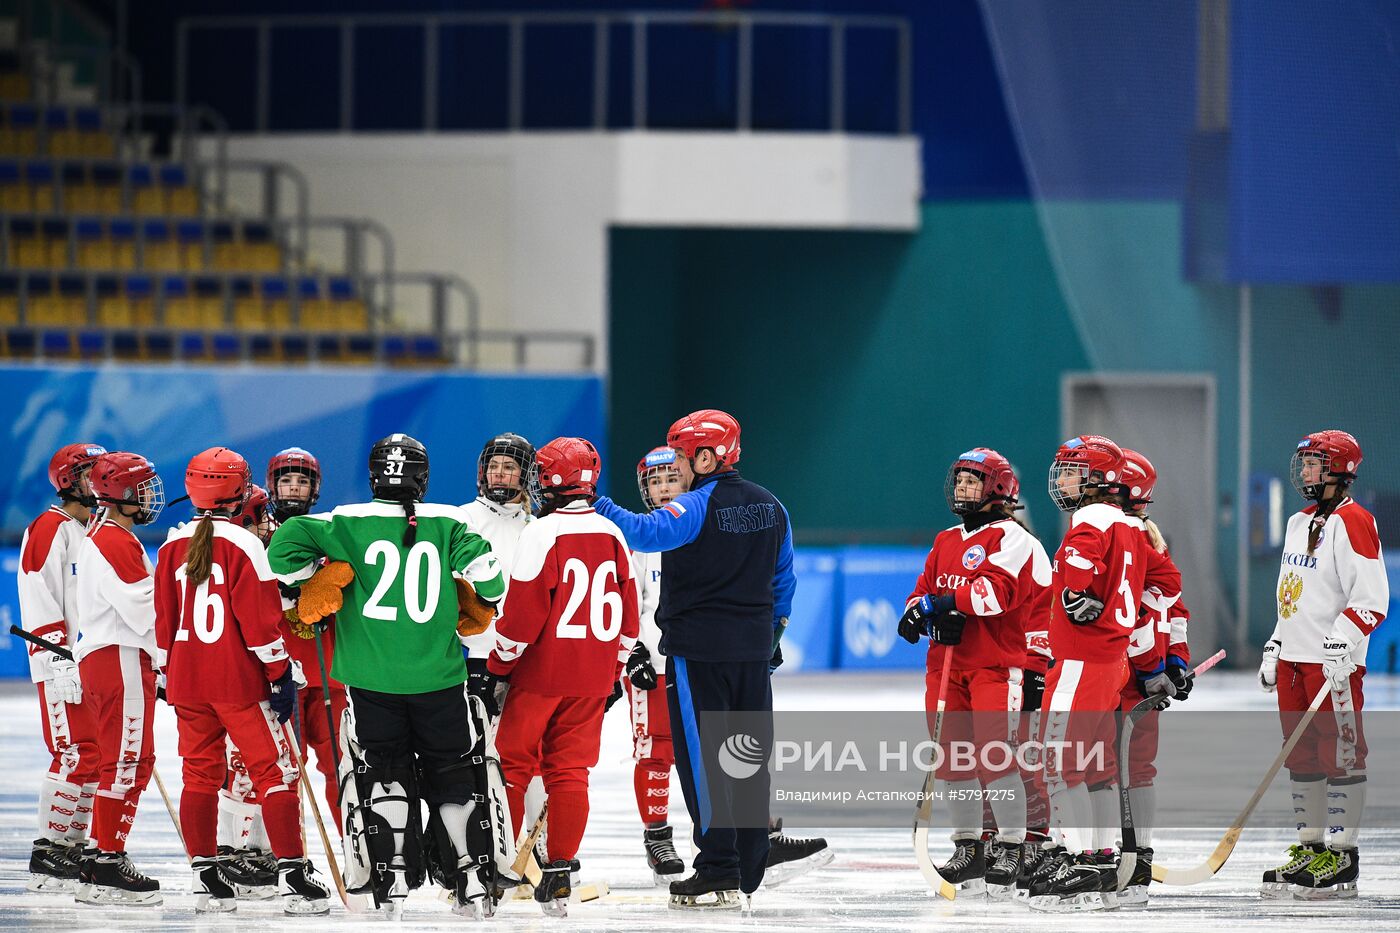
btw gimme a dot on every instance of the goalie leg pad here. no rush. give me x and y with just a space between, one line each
379 803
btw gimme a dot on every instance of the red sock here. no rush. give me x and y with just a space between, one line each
112 819
199 821
281 814
568 815
515 797
651 779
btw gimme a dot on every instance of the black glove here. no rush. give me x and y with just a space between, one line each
1181 677
639 669
283 698
927 616
1081 607
615 696
289 592
1155 683
1032 691
487 687
776 661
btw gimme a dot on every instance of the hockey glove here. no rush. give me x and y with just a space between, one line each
63 682
1032 691
923 616
1080 606
474 614
639 669
1183 679
283 698
489 688
321 595
1156 683
776 661
614 696
1268 667
1337 650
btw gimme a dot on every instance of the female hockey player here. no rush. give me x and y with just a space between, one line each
980 580
1332 593
293 483
117 661
48 608
568 624
228 676
410 727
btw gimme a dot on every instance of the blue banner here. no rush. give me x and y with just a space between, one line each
874 584
810 641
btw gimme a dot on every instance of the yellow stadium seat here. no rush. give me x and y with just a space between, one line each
354 317
97 145
30 252
42 199
192 257
161 257
65 144
318 314
148 201
19 143
9 309
57 310
181 312
251 314
106 254
15 86
115 311
181 202
14 199
82 199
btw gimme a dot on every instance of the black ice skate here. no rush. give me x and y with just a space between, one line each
1038 863
1107 861
1331 874
1073 887
213 892
699 892
791 856
663 860
53 866
1299 856
110 878
966 870
552 893
244 869
1134 894
302 892
1004 867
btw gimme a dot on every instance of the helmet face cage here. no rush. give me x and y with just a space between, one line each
518 450
1309 473
293 460
1069 493
150 498
660 462
964 506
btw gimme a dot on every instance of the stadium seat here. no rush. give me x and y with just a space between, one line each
54 232
225 253
359 348
179 194
94 142
20 341
27 248
56 344
92 249
158 253
177 308
257 252
15 85
145 196
330 348
128 345
40 301
348 310
113 308
315 311
159 344
61 142
21 130
80 195
296 348
39 175
9 299
190 234
395 349
264 348
92 344
276 302
106 179
122 231
225 347
426 349
14 194
72 298
209 302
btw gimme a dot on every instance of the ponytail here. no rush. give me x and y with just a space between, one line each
1154 535
410 534
1324 512
200 556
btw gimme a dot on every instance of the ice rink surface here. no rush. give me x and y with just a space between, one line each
871 886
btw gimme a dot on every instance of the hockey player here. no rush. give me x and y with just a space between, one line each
48 607
410 727
117 661
981 579
293 483
1332 593
568 624
728 585
228 676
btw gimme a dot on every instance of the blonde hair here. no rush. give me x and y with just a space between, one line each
1154 535
200 556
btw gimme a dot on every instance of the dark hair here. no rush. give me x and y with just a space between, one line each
410 534
199 558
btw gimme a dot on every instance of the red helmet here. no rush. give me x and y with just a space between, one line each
710 428
67 466
253 510
1139 477
217 479
658 460
1095 461
1339 453
293 460
565 466
999 482
123 478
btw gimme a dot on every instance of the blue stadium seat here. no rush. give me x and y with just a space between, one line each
92 344
296 347
226 347
427 349
192 345
160 345
395 348
56 343
20 341
126 344
56 118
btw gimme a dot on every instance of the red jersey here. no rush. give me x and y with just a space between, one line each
1038 632
222 637
570 614
1106 552
301 646
995 573
1163 618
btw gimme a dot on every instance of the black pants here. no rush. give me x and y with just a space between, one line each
424 732
730 814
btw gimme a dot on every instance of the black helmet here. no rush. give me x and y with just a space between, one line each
504 445
398 469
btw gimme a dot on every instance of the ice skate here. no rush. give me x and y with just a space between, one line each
1134 894
53 867
663 860
1038 863
790 857
243 869
469 897
1073 887
1331 874
301 891
555 887
213 892
1004 869
391 890
1107 861
1299 856
966 870
701 893
110 878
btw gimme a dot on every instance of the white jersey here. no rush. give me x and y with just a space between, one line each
646 570
48 585
500 525
1343 578
116 592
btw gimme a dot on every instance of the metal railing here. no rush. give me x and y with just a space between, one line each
117 74
639 24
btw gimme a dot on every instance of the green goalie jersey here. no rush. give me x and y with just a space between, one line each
397 632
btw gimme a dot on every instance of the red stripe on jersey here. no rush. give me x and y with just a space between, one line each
1361 531
121 550
42 531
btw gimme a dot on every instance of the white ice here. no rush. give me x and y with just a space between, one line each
872 886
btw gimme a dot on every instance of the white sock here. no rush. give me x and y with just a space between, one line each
1143 800
236 819
1345 803
56 797
1310 808
1072 813
390 801
1008 802
964 807
1103 804
454 821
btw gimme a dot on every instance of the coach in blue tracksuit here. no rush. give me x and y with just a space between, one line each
726 591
